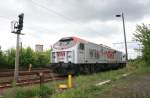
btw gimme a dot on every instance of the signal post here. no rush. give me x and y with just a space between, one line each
16 29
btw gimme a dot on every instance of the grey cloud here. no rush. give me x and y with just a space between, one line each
62 15
78 10
104 10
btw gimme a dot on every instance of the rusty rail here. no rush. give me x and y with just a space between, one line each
47 75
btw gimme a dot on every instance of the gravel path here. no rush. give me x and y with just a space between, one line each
133 86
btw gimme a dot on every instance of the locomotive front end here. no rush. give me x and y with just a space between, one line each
63 54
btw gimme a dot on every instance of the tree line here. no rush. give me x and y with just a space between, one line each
142 35
27 56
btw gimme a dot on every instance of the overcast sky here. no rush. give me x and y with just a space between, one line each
46 21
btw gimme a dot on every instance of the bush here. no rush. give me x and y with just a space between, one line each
27 56
29 92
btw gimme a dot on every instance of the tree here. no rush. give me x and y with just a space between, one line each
142 35
37 59
10 56
42 58
26 57
3 61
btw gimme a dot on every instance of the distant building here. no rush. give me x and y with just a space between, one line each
39 48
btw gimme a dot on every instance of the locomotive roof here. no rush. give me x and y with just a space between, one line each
77 39
73 38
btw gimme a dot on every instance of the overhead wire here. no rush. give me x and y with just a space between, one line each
29 27
6 18
52 11
59 14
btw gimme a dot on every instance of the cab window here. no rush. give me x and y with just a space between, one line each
81 46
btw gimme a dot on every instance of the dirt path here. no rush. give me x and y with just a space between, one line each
134 86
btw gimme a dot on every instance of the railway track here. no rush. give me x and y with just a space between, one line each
28 78
29 82
10 72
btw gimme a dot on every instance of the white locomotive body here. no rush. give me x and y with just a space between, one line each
80 54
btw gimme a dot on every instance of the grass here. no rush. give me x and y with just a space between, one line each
29 92
84 85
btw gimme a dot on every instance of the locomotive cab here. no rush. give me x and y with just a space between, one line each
63 51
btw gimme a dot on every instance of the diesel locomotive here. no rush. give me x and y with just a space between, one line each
75 55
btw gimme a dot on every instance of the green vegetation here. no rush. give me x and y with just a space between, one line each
29 92
27 56
85 85
2 58
142 35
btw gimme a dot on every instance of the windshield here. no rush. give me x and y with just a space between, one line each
64 43
66 39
